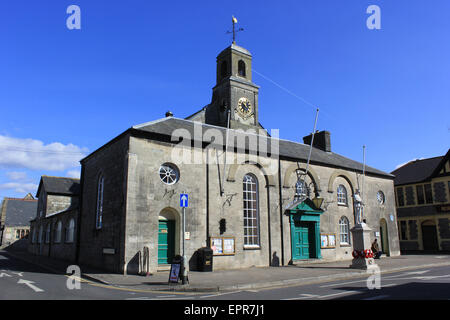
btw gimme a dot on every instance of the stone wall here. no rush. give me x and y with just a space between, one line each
63 249
104 247
148 199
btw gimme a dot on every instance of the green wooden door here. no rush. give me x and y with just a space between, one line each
166 241
301 235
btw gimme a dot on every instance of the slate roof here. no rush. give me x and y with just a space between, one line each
418 170
288 149
19 212
59 185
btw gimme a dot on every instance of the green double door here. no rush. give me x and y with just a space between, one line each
303 240
166 241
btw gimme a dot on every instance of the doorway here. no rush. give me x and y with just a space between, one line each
429 236
303 240
166 241
384 237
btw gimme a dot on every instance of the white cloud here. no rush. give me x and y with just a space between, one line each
35 155
19 187
73 174
17 176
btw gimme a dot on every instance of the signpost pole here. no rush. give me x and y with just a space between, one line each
184 275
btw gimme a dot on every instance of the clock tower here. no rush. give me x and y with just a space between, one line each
234 91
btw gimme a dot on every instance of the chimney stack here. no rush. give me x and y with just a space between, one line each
169 114
322 140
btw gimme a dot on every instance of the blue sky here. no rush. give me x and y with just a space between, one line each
64 93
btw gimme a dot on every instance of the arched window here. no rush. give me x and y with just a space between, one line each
47 234
342 195
241 68
58 230
301 189
251 211
41 234
70 231
344 230
223 69
99 210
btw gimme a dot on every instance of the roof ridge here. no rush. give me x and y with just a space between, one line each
21 199
268 137
60 177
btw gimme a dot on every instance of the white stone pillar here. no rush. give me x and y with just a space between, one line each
361 241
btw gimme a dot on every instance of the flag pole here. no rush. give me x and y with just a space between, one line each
310 147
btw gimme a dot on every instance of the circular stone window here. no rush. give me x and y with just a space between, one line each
169 174
380 197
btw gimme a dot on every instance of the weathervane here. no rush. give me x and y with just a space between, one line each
234 20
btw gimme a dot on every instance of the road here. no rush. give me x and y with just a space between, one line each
418 284
20 280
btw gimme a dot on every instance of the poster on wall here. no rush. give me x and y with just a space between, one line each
331 240
222 246
327 240
228 245
323 241
216 246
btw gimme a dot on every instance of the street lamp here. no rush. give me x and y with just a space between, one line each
318 200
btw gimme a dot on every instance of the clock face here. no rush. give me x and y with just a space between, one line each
244 107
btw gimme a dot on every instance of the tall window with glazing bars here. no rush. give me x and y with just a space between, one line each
99 209
251 211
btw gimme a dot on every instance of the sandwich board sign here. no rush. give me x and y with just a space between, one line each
174 275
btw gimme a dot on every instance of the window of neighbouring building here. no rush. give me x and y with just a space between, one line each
41 234
420 194
251 211
58 231
403 230
70 231
428 193
448 188
47 234
400 197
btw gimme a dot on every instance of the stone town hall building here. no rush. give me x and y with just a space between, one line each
244 206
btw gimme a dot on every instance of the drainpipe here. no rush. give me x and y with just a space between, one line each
78 225
280 204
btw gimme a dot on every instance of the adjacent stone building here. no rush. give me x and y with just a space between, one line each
15 217
422 190
54 227
246 190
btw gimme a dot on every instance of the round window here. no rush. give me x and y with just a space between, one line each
169 174
380 197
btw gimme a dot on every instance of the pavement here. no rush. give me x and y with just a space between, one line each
242 279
